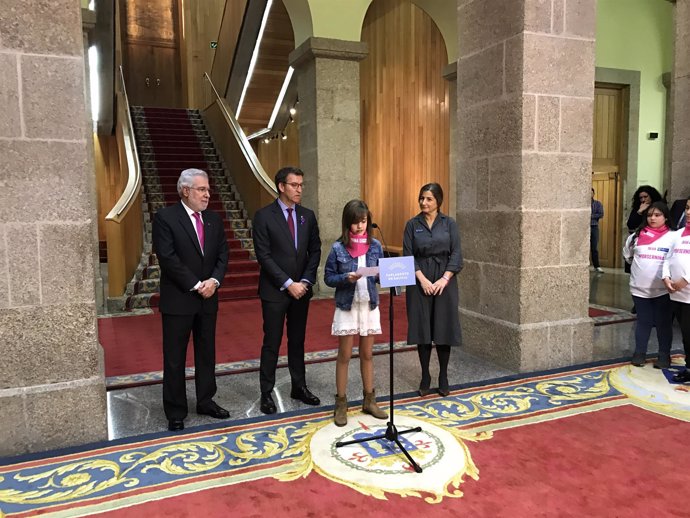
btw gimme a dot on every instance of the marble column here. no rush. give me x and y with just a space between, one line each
525 100
679 108
329 137
52 389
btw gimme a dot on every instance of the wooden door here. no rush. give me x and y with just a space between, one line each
606 190
153 79
608 168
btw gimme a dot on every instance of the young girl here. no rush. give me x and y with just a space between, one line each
356 305
646 249
676 274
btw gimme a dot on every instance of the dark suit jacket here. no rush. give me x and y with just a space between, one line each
181 261
677 210
276 253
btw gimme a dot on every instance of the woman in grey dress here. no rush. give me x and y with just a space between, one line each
432 304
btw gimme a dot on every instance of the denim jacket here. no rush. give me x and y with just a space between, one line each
340 263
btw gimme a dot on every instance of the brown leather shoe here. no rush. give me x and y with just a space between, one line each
340 411
370 407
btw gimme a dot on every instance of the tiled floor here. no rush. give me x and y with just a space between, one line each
139 410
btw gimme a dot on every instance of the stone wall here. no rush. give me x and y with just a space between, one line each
52 390
525 94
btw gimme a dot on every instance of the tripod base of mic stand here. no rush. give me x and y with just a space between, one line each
390 434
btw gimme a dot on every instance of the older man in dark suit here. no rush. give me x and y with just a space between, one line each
288 248
192 251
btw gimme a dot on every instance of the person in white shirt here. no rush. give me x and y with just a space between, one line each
676 276
646 250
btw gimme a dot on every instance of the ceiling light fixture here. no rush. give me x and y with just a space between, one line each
255 56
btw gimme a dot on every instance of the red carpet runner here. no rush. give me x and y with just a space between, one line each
554 468
598 441
133 344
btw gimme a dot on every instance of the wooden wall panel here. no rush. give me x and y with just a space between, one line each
278 153
270 70
201 24
227 41
110 180
404 112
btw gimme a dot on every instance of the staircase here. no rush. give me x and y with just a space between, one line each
169 141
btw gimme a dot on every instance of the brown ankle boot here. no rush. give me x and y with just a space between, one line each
340 412
370 407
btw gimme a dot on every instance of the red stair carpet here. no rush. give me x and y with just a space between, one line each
133 344
170 140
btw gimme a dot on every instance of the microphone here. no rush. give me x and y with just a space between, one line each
397 290
385 246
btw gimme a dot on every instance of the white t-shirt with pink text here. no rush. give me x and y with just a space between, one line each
677 263
647 259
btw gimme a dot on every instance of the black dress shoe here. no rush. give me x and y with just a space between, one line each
443 388
305 396
175 425
267 406
662 362
424 387
639 359
214 410
682 377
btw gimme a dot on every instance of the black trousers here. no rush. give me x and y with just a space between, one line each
176 331
275 315
682 312
594 245
656 312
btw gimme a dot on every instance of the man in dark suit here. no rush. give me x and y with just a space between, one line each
192 251
288 248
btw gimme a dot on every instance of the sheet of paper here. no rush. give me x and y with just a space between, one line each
368 271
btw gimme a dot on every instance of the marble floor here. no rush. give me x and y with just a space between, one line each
139 410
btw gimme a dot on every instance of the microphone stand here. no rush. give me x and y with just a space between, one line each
392 433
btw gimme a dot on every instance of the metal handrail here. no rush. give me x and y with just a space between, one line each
257 169
129 195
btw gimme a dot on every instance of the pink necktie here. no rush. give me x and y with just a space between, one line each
291 224
199 229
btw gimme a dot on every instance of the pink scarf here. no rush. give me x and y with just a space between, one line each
358 245
648 235
686 230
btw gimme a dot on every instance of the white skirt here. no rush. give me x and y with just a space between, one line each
360 320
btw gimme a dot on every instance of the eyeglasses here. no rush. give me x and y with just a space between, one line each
202 190
295 185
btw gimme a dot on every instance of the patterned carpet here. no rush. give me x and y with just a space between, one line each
619 410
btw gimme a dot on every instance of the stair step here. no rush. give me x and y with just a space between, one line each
152 285
234 267
169 141
151 300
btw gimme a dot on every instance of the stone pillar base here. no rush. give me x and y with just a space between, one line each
528 347
35 418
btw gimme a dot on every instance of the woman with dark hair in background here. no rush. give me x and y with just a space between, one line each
432 303
646 249
644 196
